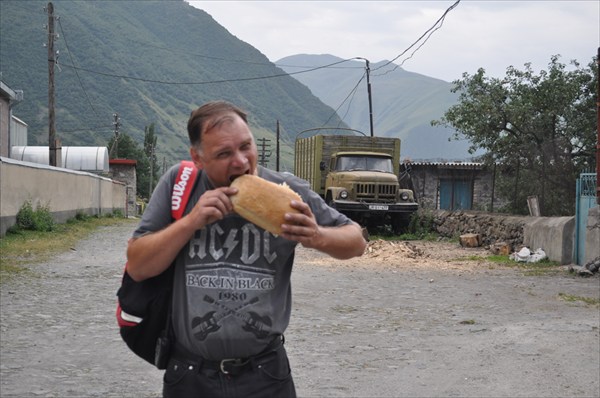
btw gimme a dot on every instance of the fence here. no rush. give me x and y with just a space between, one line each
586 200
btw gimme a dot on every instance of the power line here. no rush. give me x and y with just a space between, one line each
345 99
427 33
97 128
76 73
204 82
437 25
305 66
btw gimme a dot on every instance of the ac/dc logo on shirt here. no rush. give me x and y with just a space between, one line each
247 244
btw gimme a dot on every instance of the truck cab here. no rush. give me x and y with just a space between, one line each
358 176
363 185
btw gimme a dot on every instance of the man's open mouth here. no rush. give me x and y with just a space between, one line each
233 177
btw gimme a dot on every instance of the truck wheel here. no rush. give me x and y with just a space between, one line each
399 225
329 201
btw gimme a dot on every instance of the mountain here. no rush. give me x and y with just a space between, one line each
403 103
149 62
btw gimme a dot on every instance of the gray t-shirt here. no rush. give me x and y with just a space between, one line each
232 291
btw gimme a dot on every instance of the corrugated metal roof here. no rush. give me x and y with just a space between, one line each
86 158
450 165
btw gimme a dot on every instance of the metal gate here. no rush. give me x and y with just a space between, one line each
586 199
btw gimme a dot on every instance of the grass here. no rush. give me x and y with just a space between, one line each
573 298
543 267
19 249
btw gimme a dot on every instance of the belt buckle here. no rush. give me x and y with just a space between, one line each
233 361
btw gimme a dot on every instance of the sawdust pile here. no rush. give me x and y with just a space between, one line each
383 249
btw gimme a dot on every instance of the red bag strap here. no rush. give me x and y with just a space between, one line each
182 189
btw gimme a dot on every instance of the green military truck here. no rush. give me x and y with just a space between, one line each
358 176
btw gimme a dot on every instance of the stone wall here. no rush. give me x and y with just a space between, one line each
124 170
492 227
555 235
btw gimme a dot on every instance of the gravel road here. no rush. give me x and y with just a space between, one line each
402 321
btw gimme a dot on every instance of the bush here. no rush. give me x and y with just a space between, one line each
43 219
421 223
25 218
80 216
117 213
38 220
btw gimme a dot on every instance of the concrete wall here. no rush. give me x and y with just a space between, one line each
65 192
554 235
592 236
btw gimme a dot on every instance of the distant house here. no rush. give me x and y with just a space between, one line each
11 128
453 185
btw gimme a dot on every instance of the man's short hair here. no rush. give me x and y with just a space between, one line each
208 116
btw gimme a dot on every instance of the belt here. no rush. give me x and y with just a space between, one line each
228 366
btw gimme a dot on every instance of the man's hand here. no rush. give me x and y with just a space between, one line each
151 254
212 206
341 242
301 227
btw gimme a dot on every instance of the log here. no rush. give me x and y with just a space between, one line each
470 240
501 248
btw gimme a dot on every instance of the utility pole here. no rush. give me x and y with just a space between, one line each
368 69
264 151
598 134
55 155
277 149
151 158
115 146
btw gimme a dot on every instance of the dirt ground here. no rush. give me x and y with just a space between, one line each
419 319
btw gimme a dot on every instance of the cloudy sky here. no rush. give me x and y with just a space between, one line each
488 34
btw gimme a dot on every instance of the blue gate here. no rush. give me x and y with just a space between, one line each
586 199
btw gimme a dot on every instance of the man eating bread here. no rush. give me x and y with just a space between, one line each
232 290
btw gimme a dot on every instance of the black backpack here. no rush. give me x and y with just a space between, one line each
144 308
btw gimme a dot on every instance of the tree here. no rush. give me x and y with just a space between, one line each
539 129
127 148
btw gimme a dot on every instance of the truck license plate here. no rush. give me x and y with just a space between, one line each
378 207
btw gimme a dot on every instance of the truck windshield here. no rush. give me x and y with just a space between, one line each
373 163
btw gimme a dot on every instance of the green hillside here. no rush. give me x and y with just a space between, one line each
404 103
148 62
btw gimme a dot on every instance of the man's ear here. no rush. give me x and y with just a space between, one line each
196 158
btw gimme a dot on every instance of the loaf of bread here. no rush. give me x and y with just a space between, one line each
263 202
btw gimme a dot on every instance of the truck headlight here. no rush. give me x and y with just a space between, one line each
344 195
404 196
